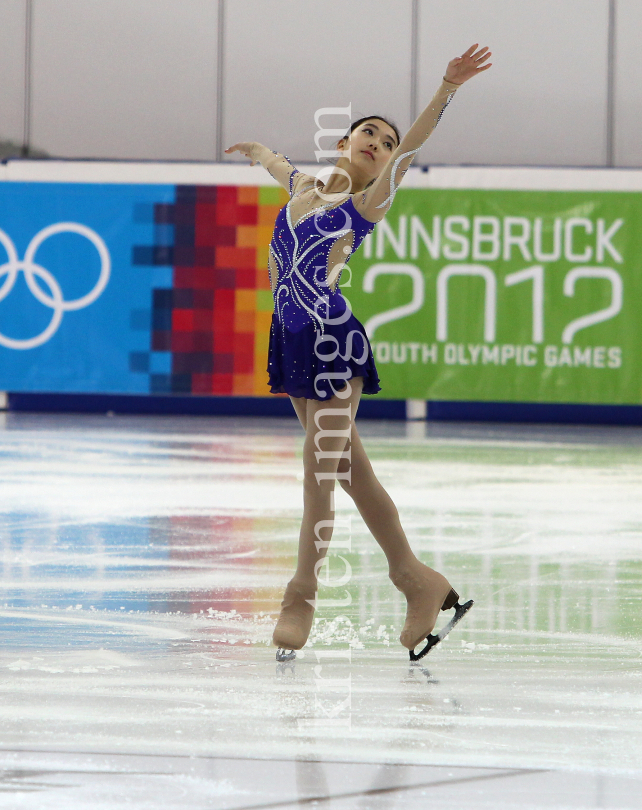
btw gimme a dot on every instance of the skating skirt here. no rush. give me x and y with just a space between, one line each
301 363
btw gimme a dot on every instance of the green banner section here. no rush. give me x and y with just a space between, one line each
504 296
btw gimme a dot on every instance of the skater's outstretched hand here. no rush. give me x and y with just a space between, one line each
277 165
467 65
247 148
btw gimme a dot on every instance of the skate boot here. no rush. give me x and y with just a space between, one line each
427 592
295 621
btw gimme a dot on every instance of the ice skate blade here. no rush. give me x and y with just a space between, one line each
285 655
433 640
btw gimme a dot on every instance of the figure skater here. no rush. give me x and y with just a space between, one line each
320 355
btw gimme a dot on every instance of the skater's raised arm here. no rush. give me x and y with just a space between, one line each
276 164
374 203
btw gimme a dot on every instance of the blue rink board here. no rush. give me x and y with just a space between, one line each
369 408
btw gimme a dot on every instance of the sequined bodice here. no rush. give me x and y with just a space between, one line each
306 289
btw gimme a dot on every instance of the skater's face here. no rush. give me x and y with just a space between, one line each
371 143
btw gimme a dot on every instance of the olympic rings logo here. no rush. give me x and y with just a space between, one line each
32 271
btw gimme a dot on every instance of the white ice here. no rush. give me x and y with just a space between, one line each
142 562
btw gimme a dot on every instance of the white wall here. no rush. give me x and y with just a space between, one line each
628 84
12 80
284 59
544 100
138 78
123 79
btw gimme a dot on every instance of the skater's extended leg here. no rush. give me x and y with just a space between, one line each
375 506
327 433
425 589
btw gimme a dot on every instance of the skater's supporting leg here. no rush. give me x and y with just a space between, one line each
321 457
327 433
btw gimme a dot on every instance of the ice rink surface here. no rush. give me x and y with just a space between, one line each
142 564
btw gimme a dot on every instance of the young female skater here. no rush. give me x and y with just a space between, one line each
320 355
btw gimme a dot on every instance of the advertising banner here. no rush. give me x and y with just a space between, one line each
133 288
479 295
487 295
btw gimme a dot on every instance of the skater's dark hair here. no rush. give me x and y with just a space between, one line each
370 118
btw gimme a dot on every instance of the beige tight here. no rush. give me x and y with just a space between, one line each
371 499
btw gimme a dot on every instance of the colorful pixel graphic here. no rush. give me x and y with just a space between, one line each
210 329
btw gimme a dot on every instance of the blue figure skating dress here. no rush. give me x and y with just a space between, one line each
316 343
